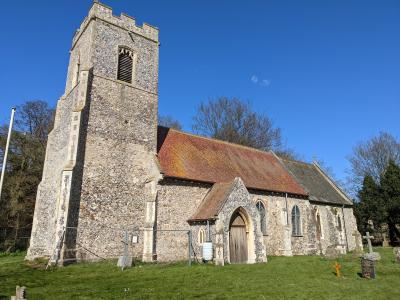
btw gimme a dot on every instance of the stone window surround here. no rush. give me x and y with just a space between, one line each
318 213
258 200
338 218
134 62
201 236
300 231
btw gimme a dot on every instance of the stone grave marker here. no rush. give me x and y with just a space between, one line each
374 256
219 248
396 252
369 238
125 261
20 293
332 252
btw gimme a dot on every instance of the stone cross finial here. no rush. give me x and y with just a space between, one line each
369 238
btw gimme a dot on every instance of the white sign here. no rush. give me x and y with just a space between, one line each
135 239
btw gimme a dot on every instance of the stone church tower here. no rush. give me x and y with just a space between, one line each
100 171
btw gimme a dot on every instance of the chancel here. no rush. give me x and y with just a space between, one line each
109 166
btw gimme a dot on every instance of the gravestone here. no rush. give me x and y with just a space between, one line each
368 268
20 293
219 248
396 252
332 252
369 238
373 256
125 261
385 242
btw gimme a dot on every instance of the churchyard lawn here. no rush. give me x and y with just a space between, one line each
299 277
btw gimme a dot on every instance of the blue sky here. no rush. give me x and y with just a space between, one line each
326 72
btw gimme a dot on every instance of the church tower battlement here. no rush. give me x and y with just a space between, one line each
100 170
104 12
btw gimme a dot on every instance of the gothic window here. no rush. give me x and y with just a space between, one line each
296 222
263 217
202 236
339 222
125 65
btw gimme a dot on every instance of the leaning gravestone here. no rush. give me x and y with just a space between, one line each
396 252
20 293
125 261
332 252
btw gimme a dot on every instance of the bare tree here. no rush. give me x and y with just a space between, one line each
288 153
34 120
168 121
372 158
234 121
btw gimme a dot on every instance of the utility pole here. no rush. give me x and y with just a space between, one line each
3 169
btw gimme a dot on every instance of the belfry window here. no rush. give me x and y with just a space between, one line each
125 65
263 217
296 224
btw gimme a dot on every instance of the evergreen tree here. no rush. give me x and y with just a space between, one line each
390 193
370 207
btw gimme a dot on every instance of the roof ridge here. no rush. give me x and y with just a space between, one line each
297 161
217 140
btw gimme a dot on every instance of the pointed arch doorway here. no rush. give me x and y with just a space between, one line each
238 248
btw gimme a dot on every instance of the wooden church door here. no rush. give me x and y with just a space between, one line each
238 240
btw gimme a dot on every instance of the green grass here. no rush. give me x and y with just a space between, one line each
300 277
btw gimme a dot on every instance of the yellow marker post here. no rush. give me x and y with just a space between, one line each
337 269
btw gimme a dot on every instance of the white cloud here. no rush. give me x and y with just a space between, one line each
254 79
265 82
260 82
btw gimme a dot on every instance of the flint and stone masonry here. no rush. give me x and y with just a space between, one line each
102 174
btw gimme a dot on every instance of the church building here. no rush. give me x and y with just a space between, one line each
111 172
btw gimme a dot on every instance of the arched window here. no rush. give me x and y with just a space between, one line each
339 223
263 217
296 225
125 65
201 237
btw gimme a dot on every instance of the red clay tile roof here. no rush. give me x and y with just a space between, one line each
212 202
190 157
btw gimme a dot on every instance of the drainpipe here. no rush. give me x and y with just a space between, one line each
287 210
345 230
208 231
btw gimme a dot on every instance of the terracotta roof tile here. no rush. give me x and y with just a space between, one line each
212 202
186 156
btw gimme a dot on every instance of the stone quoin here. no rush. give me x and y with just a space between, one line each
110 169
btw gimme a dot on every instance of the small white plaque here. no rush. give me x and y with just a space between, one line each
135 239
